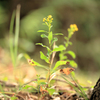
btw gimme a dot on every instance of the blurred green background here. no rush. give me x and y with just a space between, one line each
84 13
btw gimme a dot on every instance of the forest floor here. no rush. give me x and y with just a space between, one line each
12 78
9 92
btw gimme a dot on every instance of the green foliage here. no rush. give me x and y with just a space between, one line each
44 36
42 56
72 54
50 36
58 34
41 31
59 63
54 40
51 91
59 48
79 86
14 50
44 46
13 98
73 63
80 90
34 63
63 59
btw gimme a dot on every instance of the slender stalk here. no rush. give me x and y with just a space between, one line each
17 31
53 54
79 87
11 38
76 89
49 72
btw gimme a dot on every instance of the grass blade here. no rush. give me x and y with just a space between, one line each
17 31
11 38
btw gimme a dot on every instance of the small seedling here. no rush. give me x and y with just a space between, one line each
52 48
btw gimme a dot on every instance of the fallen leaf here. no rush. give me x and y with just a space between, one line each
42 90
67 71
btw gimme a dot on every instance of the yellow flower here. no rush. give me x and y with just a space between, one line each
50 16
44 19
71 26
74 27
48 19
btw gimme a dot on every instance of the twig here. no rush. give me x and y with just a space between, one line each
6 84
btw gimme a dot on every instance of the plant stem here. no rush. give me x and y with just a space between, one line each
79 87
11 38
49 59
17 31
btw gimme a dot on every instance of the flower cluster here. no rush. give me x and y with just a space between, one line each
73 27
48 20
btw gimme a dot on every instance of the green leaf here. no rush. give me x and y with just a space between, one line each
42 56
26 56
51 91
60 48
72 54
13 98
43 83
40 44
62 57
41 31
58 63
66 38
73 74
43 45
26 87
48 49
58 34
66 44
50 36
73 63
34 63
52 82
49 52
44 36
70 43
54 40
